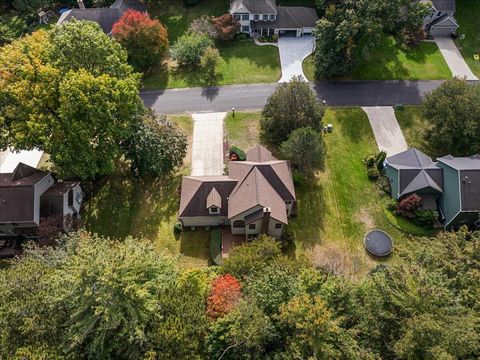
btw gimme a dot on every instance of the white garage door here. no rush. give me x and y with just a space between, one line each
307 30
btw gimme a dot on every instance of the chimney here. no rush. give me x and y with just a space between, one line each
266 219
81 5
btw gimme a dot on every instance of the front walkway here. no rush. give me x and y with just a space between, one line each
385 127
454 58
207 148
293 50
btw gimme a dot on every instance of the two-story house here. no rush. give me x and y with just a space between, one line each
257 197
440 21
265 18
451 185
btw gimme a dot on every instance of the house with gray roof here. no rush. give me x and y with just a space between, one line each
257 197
440 20
451 185
105 17
265 18
28 194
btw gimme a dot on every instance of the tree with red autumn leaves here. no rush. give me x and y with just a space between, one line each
408 205
144 38
224 296
227 27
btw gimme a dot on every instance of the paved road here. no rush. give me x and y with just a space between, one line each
454 59
388 135
250 97
207 149
293 51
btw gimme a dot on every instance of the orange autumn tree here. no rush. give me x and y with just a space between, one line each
227 27
224 295
144 38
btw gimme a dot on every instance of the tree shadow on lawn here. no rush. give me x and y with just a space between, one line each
122 205
356 128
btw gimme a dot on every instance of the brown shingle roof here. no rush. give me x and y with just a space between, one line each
195 192
17 192
259 154
60 188
255 190
214 199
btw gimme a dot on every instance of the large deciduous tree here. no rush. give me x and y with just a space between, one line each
144 38
453 111
70 93
156 146
227 27
293 105
305 149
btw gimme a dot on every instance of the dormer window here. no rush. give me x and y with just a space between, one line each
265 17
213 210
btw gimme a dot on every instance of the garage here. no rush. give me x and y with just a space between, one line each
307 30
290 33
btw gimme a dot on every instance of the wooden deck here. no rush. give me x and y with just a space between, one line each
229 241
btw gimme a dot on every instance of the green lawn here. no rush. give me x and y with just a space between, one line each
468 15
243 130
309 68
338 207
243 63
122 205
388 62
414 127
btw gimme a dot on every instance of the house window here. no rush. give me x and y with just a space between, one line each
79 198
236 17
288 202
213 210
272 17
256 17
238 224
265 17
245 17
278 225
245 29
252 226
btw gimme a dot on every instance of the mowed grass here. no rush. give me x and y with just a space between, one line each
243 62
243 129
468 15
390 62
122 205
337 207
414 127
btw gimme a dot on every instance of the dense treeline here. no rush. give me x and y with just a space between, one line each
93 298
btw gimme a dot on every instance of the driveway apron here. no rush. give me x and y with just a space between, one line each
386 130
293 50
454 58
207 149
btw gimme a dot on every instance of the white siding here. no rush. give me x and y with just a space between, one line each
276 233
40 188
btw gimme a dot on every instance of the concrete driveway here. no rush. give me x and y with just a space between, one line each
293 50
386 130
207 148
454 58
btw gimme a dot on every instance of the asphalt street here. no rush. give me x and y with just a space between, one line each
251 97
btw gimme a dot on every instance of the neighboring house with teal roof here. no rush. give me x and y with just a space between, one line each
451 185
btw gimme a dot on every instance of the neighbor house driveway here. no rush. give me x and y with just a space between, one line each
385 127
454 58
293 51
207 148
